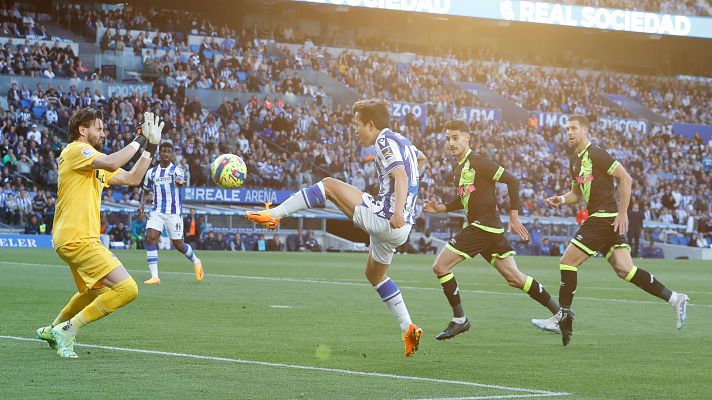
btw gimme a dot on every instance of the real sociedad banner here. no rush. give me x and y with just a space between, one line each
241 195
551 119
547 13
26 242
400 109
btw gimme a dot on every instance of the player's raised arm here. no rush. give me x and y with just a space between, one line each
151 131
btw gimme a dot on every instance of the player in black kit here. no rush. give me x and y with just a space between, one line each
474 179
592 172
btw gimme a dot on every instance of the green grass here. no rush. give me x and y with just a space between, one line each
628 349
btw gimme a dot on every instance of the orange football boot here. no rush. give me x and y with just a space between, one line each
263 218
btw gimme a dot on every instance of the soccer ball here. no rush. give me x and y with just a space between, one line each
228 171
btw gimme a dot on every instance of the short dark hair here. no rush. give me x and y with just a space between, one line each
166 144
457 125
581 119
84 117
373 110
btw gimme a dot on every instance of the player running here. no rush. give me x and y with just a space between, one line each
474 178
592 172
103 283
163 181
387 218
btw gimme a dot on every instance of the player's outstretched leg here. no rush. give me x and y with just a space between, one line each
345 196
442 267
75 305
312 196
392 297
122 291
622 263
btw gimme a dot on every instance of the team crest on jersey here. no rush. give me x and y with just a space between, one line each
87 152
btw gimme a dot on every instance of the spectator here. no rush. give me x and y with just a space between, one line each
138 230
425 243
220 243
210 242
311 243
651 251
236 243
120 236
635 227
296 242
260 243
275 244
535 239
192 231
32 227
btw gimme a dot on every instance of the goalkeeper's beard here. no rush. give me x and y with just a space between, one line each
98 145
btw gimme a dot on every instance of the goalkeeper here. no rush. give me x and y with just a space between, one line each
103 284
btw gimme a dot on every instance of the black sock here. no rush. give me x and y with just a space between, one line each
646 281
537 292
452 292
568 285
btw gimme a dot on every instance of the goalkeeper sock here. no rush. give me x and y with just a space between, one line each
120 295
77 304
312 196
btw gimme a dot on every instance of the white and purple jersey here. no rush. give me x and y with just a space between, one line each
162 182
393 150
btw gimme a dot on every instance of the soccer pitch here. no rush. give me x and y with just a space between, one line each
309 326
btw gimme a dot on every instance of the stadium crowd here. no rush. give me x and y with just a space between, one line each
287 147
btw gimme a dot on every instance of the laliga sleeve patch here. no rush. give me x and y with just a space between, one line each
385 148
87 152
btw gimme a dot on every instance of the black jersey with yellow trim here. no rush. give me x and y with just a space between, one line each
474 178
591 169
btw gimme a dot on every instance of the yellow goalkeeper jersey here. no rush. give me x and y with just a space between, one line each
77 213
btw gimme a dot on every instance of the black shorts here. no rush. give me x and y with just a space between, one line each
472 241
597 235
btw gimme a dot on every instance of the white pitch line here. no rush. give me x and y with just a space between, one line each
530 392
320 281
511 396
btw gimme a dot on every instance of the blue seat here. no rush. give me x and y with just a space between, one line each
208 54
38 112
194 47
241 76
25 103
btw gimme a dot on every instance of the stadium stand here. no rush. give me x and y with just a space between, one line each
288 145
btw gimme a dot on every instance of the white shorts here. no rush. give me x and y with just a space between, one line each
172 222
384 239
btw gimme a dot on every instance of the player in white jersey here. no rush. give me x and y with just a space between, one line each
163 181
387 218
